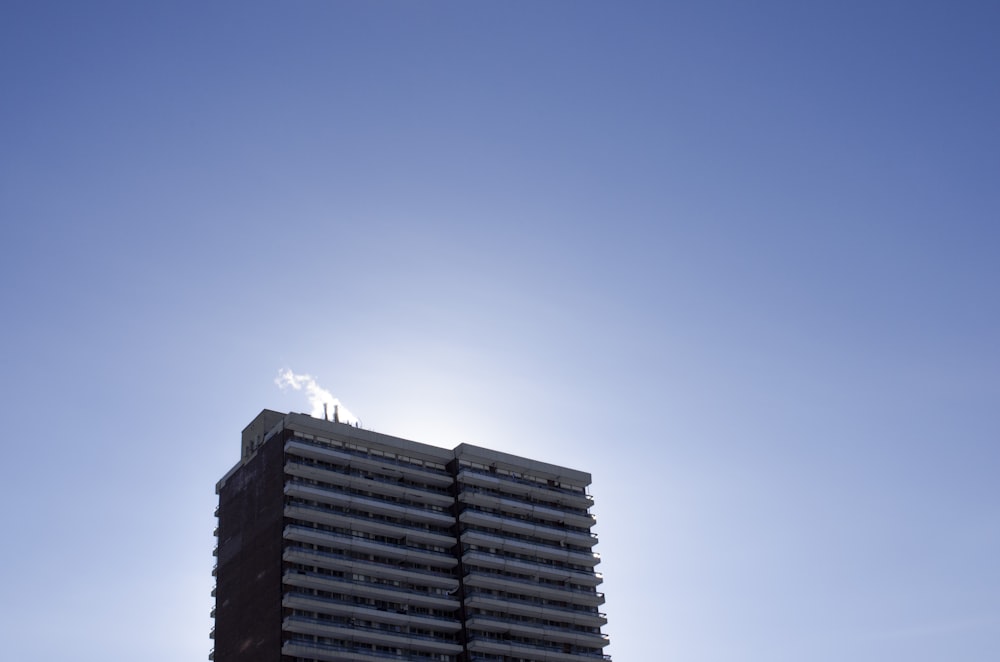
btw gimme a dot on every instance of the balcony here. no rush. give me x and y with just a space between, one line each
368 613
378 485
365 545
318 627
383 465
367 524
544 548
386 592
536 631
521 487
344 563
544 529
498 582
331 653
534 567
529 651
485 601
485 499
365 504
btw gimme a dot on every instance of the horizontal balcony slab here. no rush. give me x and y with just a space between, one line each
327 653
384 487
523 527
498 562
388 593
368 505
365 545
320 628
518 546
535 610
343 563
524 651
378 465
576 596
368 613
321 515
524 488
477 497
534 631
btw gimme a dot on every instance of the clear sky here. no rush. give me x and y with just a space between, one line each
739 260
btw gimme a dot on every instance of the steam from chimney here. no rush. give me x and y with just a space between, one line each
320 399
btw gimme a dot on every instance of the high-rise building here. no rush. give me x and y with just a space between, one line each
339 543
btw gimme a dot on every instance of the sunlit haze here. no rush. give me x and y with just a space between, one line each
737 260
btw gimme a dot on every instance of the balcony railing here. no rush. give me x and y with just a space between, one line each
549 652
435 493
370 635
369 612
555 532
533 586
538 566
542 509
370 589
340 650
558 495
537 630
527 607
351 516
388 549
476 530
374 504
341 561
437 476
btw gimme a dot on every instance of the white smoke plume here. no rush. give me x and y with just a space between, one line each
318 396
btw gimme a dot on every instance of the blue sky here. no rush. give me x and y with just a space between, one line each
738 260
